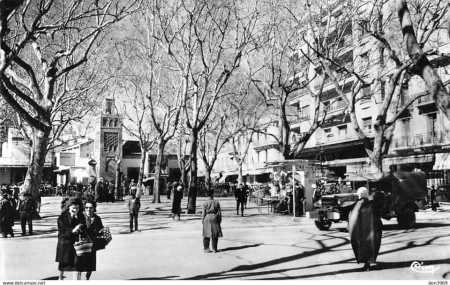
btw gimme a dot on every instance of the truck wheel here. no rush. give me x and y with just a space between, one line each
406 218
323 225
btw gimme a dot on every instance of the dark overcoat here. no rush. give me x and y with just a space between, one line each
212 218
176 201
365 230
65 252
88 262
6 215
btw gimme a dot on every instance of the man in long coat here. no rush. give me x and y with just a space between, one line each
365 230
212 218
6 216
176 201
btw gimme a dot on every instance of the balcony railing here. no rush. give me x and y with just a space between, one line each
425 99
331 138
423 139
333 108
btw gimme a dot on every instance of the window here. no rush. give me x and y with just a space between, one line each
326 105
339 104
431 124
304 112
364 61
109 106
110 142
342 131
328 133
367 123
381 56
105 122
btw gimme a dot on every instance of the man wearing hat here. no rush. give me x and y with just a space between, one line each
6 216
27 208
176 201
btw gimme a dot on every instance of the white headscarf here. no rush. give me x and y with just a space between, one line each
362 192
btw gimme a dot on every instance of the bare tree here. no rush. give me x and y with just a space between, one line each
278 73
137 122
160 94
182 147
42 44
212 139
205 41
432 20
332 33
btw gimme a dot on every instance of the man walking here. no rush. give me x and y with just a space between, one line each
134 204
26 208
240 199
211 220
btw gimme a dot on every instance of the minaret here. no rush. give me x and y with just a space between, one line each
108 142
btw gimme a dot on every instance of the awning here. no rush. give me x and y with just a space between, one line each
422 158
62 169
442 161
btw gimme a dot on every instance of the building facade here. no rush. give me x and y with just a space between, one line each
421 135
15 153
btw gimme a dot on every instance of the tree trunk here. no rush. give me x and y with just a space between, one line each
157 180
36 168
141 167
208 179
192 193
240 178
422 66
183 171
285 132
376 156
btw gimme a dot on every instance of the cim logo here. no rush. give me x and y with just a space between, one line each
418 267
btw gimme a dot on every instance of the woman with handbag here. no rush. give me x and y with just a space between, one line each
88 261
70 224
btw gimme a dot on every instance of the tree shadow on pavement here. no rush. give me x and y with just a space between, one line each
273 262
416 226
157 278
379 266
50 278
235 274
240 247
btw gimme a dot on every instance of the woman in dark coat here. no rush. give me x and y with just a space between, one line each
176 201
365 230
87 263
70 224
212 218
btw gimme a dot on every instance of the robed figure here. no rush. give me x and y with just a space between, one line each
365 230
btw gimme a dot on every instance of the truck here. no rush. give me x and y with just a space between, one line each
397 195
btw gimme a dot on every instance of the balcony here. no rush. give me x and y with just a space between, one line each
424 100
333 108
324 139
423 139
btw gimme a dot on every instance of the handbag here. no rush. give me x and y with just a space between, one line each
103 239
83 246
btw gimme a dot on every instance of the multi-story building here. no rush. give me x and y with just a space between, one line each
421 137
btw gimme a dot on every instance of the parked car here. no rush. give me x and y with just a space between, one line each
399 195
